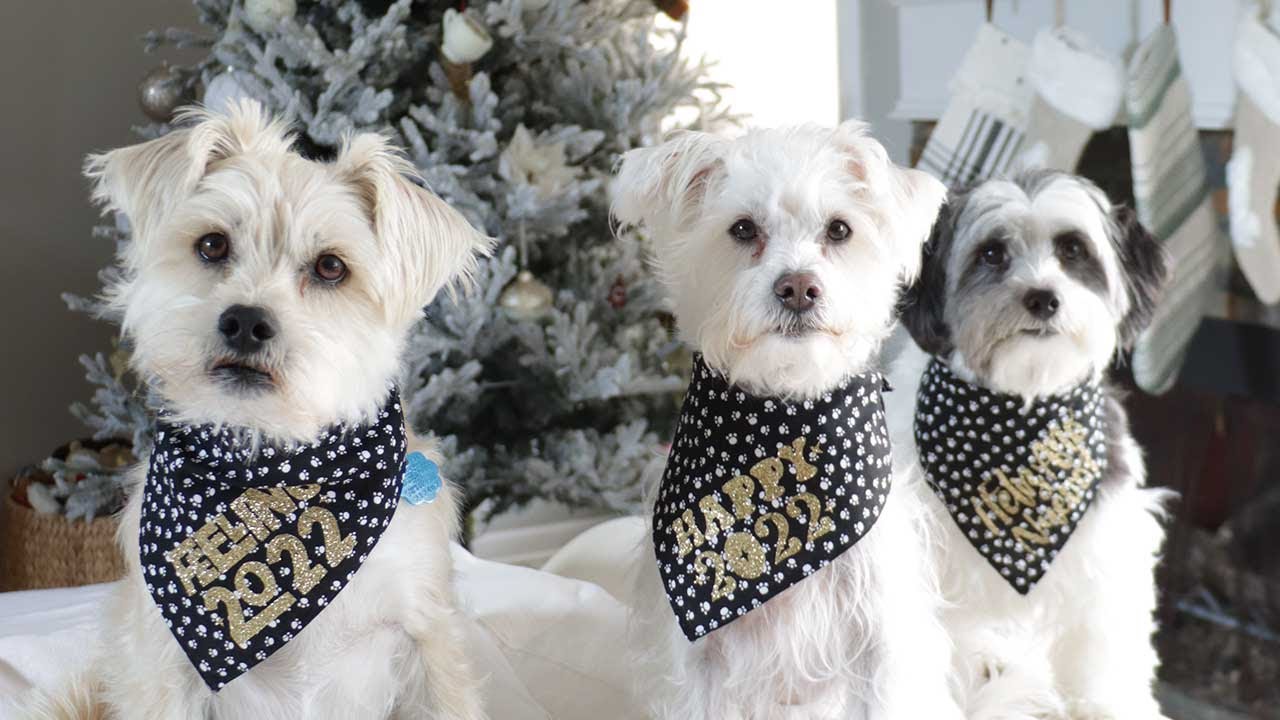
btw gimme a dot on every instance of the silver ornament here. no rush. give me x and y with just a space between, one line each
161 93
526 298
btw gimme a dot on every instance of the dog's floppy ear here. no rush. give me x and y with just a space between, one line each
909 198
668 180
924 302
921 197
428 244
146 181
1144 268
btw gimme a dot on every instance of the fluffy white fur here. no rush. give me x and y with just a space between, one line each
859 639
1078 646
390 645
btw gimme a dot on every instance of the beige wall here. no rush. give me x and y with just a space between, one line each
68 84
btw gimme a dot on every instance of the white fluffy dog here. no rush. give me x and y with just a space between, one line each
783 253
272 295
1028 288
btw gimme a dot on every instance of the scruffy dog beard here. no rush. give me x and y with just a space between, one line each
782 253
271 296
1030 286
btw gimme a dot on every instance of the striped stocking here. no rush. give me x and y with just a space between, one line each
982 129
1172 202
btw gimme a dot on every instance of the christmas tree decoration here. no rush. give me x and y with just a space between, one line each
1253 173
80 481
981 131
162 92
119 358
222 90
618 294
265 16
465 41
675 9
1078 89
549 379
677 359
526 298
542 167
1172 200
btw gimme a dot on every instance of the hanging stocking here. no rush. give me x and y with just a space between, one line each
982 128
1172 201
1254 171
1078 90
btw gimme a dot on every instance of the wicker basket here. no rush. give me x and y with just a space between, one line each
40 551
47 551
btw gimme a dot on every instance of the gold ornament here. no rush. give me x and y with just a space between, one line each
526 298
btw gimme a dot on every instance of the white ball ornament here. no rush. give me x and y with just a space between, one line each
465 39
222 91
265 15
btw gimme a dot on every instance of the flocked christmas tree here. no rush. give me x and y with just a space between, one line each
556 378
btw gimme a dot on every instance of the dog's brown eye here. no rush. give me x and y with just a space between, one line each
1070 246
330 268
838 231
744 231
993 254
213 247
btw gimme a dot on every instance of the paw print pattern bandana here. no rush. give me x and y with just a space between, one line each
1015 477
760 493
240 550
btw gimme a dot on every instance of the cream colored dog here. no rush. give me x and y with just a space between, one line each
339 258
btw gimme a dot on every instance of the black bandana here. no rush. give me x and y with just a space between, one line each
760 493
241 551
1015 477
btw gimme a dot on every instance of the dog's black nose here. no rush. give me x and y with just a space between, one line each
797 291
246 328
1041 303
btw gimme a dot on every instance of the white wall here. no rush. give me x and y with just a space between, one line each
69 70
779 57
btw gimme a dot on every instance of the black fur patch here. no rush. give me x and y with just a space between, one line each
978 272
1087 268
1144 269
924 301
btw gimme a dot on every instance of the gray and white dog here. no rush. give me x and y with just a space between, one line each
1029 289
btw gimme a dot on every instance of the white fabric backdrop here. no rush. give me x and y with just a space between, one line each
550 644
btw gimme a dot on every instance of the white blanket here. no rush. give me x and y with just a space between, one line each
550 645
